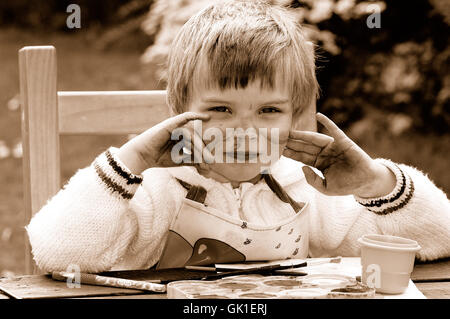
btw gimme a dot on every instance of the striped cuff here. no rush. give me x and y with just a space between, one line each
115 175
398 198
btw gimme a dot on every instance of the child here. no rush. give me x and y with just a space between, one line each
240 64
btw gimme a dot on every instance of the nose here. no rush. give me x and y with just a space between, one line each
246 122
243 138
241 126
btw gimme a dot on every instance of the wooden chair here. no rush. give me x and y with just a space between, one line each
47 113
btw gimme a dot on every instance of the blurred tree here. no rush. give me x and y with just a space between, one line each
396 75
105 24
51 14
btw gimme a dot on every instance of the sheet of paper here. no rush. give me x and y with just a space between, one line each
412 292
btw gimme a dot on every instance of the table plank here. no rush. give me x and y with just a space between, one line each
42 286
438 270
435 290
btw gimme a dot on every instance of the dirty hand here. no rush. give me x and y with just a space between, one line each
346 168
155 146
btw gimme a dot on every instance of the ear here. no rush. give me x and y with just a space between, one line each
306 121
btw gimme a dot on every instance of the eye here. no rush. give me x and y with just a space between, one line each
221 109
269 110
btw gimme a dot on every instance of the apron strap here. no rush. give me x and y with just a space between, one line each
198 193
195 192
281 193
184 184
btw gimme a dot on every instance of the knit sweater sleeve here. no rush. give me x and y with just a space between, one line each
88 223
416 209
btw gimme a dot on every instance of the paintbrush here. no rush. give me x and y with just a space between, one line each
278 266
92 279
264 269
249 271
310 263
289 263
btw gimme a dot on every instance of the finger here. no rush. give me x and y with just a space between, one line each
182 119
331 127
302 146
193 153
178 153
196 142
181 139
317 139
305 158
314 180
202 153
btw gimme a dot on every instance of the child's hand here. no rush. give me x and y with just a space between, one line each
153 148
346 167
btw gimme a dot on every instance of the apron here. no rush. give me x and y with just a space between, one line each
202 235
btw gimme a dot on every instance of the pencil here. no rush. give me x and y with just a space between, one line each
203 268
91 279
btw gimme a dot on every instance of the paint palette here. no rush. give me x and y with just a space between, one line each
279 287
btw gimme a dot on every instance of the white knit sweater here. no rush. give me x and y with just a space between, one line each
104 220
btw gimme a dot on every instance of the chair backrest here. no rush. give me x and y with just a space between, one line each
47 113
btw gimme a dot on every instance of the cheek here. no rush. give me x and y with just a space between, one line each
284 135
214 129
280 127
285 128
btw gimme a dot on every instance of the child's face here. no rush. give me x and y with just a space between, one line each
253 107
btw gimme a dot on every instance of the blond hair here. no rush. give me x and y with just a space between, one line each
231 43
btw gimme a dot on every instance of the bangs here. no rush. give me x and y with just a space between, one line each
238 69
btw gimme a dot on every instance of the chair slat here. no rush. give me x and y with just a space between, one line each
40 139
110 112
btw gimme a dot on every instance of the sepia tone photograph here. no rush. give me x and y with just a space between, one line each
237 149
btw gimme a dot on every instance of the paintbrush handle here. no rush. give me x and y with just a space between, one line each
249 271
325 261
237 272
91 279
318 262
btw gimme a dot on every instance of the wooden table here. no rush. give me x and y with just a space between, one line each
432 279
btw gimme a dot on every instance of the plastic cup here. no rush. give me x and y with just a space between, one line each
387 262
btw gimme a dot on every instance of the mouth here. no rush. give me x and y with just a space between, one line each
247 156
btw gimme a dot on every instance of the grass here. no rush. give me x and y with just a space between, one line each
81 67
